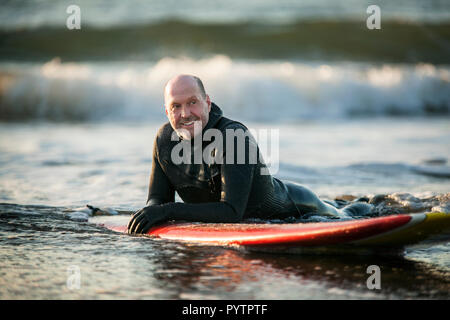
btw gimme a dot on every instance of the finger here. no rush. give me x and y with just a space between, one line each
152 221
133 227
143 227
135 221
133 216
139 225
130 223
137 212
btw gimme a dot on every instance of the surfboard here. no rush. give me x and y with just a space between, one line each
388 233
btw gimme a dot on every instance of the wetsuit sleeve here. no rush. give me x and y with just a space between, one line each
236 184
160 189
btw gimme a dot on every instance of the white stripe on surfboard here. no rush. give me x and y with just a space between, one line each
416 218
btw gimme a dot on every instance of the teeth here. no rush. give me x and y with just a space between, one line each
187 123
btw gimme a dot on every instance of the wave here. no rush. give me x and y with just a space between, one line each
255 91
397 169
315 39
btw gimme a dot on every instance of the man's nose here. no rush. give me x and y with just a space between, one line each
185 112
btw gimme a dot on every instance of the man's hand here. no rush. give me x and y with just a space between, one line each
145 218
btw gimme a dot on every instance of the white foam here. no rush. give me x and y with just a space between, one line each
442 208
78 216
258 91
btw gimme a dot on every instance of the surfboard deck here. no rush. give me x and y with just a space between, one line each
391 233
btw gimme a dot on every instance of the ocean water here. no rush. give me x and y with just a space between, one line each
358 113
108 164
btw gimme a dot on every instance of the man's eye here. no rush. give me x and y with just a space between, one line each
193 102
175 106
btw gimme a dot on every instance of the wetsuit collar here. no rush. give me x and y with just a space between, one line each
214 116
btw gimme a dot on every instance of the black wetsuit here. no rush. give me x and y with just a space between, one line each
216 192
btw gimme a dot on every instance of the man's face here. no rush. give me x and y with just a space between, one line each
186 108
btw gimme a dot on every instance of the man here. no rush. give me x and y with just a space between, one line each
224 190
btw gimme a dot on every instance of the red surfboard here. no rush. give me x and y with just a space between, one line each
389 231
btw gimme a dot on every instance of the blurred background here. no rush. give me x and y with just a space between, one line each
359 111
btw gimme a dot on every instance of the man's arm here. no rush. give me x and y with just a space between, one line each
236 186
160 189
229 209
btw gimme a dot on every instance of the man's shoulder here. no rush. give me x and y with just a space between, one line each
227 124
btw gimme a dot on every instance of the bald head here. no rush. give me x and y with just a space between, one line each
184 81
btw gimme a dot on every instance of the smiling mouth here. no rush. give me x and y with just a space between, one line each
188 123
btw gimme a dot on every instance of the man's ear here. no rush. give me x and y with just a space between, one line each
165 109
208 101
